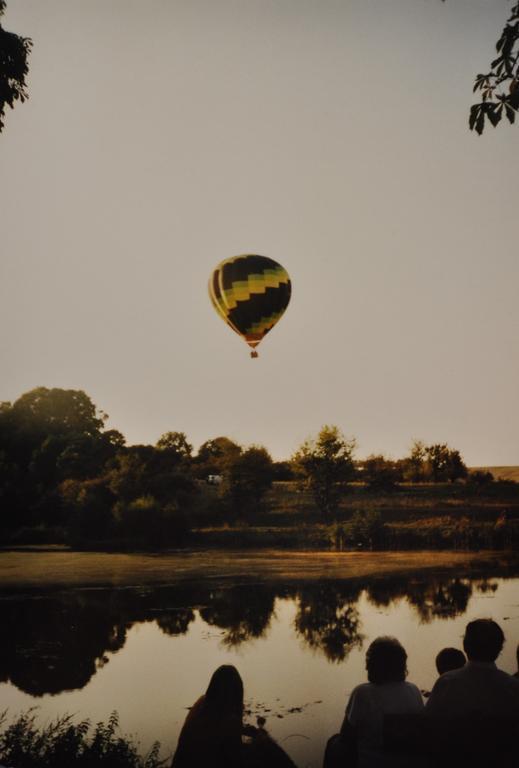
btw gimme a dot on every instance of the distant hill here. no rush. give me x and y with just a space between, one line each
500 473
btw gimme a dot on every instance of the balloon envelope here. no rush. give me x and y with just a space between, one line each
250 293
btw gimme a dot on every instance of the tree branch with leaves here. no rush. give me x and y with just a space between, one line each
14 54
499 87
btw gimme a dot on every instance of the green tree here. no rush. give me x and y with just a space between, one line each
44 411
215 456
46 437
14 54
327 463
247 478
145 471
413 465
177 442
443 464
380 473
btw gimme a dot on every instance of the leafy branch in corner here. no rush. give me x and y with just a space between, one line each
14 54
500 87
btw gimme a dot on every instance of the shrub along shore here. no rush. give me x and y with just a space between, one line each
66 744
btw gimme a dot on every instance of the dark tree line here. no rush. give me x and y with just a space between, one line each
65 476
62 471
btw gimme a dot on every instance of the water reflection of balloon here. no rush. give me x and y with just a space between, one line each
251 294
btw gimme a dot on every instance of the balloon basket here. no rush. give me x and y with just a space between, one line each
254 353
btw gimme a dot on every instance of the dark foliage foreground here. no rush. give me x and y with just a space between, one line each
64 744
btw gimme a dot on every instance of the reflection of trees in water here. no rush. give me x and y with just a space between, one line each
434 598
244 612
440 600
53 643
327 619
383 592
176 622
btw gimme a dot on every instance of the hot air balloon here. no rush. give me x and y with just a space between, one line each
250 293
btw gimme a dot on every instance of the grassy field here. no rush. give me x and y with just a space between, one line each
289 503
410 517
500 473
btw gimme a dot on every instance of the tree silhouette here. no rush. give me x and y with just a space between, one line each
247 479
14 53
48 436
327 463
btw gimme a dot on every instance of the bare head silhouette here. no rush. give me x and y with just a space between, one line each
483 640
449 659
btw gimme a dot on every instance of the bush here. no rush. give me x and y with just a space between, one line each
478 479
63 744
367 529
247 480
144 521
338 536
381 474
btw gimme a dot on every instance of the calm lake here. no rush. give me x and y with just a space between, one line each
86 634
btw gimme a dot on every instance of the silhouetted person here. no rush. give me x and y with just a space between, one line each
449 659
386 693
479 686
212 732
517 657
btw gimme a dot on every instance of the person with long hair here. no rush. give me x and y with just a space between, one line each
212 731
212 734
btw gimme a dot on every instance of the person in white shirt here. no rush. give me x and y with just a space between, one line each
386 693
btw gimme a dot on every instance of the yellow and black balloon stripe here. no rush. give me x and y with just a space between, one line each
250 293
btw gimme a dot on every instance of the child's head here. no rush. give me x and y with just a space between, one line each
449 659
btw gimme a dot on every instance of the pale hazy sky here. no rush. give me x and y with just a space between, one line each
162 136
